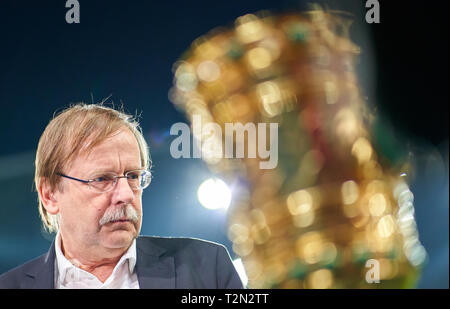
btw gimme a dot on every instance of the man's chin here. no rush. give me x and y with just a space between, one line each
119 238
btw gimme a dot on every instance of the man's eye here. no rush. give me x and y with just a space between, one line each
102 178
133 176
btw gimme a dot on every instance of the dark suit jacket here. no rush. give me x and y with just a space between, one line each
161 263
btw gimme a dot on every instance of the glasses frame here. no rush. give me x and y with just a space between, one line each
116 177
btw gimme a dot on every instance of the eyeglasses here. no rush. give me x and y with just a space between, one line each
104 182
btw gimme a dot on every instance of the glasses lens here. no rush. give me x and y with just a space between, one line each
103 182
139 179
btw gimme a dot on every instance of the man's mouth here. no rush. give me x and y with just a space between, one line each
120 221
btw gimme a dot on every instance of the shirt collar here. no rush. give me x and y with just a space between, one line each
129 255
63 264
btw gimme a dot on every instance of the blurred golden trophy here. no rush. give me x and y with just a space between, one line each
330 213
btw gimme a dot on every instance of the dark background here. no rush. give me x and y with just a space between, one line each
124 50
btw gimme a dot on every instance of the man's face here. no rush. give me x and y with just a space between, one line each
81 208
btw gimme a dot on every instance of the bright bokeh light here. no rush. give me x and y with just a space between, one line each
213 193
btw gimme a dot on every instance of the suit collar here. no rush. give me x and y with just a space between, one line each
154 269
42 276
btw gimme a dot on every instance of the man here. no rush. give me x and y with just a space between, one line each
92 164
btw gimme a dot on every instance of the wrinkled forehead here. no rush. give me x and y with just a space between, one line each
102 153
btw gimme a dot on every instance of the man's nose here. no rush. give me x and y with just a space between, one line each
122 193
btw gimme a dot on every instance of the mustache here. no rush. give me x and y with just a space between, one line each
119 213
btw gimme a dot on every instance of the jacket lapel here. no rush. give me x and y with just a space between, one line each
42 275
154 270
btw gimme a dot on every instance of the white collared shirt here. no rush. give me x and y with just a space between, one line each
69 276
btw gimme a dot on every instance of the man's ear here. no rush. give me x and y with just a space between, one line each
48 196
